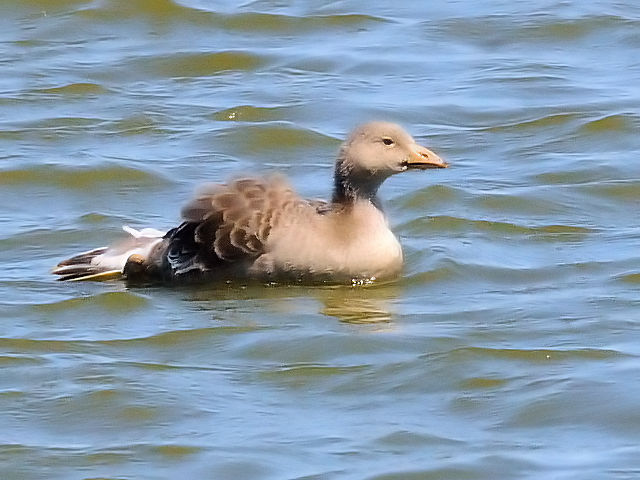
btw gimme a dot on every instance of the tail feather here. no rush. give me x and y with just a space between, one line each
84 257
96 277
80 266
106 263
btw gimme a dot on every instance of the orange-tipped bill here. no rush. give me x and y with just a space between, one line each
422 158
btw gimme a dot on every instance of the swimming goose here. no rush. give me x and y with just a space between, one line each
259 228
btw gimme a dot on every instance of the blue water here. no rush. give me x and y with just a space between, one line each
507 349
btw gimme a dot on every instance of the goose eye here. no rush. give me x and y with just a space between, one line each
387 141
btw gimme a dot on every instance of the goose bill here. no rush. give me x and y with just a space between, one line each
422 158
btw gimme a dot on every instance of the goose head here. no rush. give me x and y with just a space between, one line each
372 153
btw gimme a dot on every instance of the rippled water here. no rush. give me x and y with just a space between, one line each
508 349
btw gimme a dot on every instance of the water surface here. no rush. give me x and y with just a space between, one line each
508 349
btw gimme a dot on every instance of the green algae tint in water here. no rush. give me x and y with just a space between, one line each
509 347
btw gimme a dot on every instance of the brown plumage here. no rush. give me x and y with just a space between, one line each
259 228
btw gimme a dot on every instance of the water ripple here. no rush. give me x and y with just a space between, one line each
80 178
200 64
612 124
112 302
535 356
250 113
254 21
75 89
454 224
275 137
507 349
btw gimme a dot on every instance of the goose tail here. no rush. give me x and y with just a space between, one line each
108 263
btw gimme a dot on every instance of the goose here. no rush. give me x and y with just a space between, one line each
261 229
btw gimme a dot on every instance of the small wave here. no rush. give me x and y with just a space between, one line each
175 339
259 138
482 383
114 302
254 21
446 223
512 274
611 123
42 7
618 190
175 451
178 338
430 276
546 121
548 29
61 124
431 195
116 10
408 438
519 203
574 28
76 89
81 178
304 375
249 113
136 125
40 242
633 278
200 64
593 175
23 345
538 355
18 360
174 12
